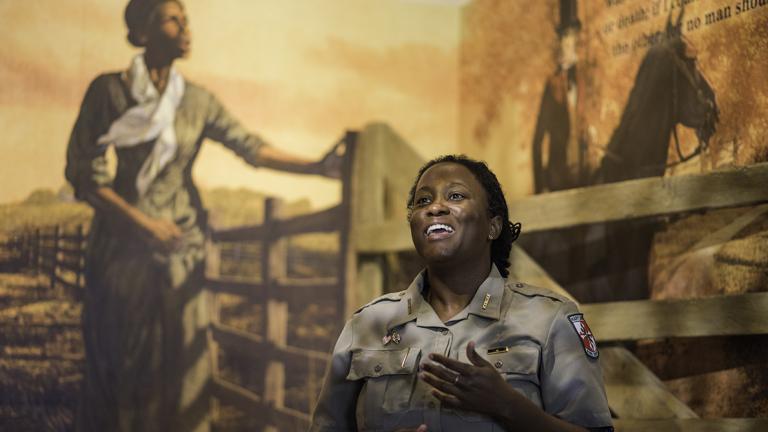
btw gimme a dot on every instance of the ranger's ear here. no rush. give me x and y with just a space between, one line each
495 229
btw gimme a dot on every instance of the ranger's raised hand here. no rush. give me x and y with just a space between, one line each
474 387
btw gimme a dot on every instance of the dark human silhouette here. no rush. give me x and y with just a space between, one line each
561 164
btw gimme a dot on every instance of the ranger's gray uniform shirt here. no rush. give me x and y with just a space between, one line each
372 383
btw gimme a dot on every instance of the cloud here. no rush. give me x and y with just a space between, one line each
344 84
423 72
31 83
49 52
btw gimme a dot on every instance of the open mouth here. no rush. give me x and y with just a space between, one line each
438 231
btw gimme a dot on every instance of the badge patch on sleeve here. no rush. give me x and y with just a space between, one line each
585 334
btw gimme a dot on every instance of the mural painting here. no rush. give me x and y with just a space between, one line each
574 94
556 95
124 154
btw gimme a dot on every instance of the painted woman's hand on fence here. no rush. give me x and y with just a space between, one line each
331 163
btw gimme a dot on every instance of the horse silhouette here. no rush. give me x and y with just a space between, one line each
609 261
669 90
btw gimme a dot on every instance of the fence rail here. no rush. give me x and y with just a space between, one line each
285 290
726 315
55 253
323 221
650 197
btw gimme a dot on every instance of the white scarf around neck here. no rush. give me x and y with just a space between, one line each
151 119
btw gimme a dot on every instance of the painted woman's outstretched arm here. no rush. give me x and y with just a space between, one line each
221 126
273 157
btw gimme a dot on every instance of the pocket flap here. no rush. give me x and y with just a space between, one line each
516 359
374 363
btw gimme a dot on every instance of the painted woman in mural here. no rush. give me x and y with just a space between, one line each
144 318
561 164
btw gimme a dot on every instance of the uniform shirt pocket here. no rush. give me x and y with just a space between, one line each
389 377
376 363
517 364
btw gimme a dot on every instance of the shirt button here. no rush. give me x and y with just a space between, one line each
498 364
377 368
444 331
519 285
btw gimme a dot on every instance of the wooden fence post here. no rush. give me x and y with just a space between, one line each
274 256
36 255
80 280
213 270
349 298
28 246
54 255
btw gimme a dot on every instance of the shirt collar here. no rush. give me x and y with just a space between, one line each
485 303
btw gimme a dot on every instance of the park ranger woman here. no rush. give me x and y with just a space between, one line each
463 348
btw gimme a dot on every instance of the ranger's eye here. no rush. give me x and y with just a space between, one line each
421 201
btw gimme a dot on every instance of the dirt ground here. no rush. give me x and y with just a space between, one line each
41 355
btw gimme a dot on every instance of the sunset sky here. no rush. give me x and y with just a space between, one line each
297 72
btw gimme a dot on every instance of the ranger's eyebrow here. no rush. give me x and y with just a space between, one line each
457 183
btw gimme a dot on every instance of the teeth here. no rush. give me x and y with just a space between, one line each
434 227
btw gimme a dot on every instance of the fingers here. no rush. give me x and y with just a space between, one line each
171 229
439 371
422 428
454 365
440 384
169 239
474 357
163 235
332 166
448 400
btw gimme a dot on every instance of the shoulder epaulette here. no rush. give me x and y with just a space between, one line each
532 291
395 296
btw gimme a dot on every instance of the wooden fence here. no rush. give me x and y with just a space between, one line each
53 252
268 351
638 398
60 256
370 221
